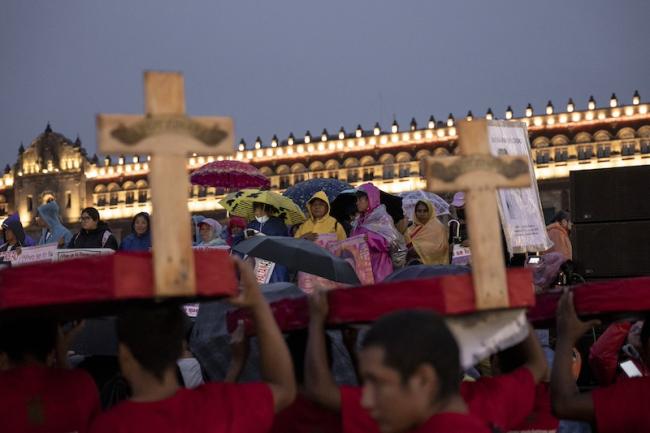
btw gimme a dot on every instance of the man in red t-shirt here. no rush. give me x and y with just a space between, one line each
36 396
504 401
409 384
622 407
150 342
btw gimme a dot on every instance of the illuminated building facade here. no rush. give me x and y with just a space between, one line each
562 140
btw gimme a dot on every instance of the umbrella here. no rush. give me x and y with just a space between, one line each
303 191
410 199
299 255
426 271
240 204
229 175
345 202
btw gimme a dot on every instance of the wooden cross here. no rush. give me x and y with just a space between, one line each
168 135
479 174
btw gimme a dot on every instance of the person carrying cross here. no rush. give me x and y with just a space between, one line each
150 342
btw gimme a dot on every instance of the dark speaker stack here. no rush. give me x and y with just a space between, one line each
611 214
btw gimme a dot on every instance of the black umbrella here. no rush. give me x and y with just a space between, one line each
426 271
299 255
345 204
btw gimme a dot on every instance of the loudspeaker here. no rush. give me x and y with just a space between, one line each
614 249
610 194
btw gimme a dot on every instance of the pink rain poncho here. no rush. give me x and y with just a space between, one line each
378 226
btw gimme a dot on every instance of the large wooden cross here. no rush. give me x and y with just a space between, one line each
167 135
479 174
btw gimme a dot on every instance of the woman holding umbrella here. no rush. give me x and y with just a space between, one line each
270 225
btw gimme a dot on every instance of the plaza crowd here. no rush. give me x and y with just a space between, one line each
407 369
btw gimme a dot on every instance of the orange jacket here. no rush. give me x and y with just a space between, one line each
561 242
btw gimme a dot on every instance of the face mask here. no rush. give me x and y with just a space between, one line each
262 219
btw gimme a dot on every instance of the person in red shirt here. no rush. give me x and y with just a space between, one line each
503 402
150 342
409 384
36 395
622 407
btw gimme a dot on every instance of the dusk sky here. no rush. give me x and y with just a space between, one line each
295 65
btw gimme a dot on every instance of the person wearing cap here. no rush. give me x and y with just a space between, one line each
209 231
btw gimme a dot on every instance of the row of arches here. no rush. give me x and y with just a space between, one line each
584 137
351 162
128 185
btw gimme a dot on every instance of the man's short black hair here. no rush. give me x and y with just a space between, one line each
34 338
561 216
415 337
154 334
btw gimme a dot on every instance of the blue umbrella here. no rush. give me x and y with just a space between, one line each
303 191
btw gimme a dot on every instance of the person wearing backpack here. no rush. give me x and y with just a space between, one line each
94 232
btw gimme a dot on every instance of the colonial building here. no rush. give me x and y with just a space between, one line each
562 140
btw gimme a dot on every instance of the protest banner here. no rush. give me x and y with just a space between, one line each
26 255
75 253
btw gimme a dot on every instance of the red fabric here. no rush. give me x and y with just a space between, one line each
503 401
449 294
304 416
38 399
541 418
114 277
614 296
214 408
603 354
623 407
452 423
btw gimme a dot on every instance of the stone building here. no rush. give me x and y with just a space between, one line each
562 140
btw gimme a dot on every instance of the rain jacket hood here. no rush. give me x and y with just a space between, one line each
17 228
324 225
55 231
29 242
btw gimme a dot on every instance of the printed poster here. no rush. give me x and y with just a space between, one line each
520 209
263 270
355 251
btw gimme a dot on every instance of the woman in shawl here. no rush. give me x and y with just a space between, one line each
427 237
384 241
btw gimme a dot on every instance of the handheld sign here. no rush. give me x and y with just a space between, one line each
167 134
479 174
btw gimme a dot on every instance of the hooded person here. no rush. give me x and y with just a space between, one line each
29 242
235 230
386 244
13 235
320 221
140 237
94 232
196 237
428 236
53 231
269 225
209 231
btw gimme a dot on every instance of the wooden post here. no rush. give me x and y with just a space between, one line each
168 135
479 174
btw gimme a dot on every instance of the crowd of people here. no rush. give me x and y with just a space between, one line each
406 368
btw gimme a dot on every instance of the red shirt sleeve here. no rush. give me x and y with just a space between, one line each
502 401
603 355
354 417
623 407
89 397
